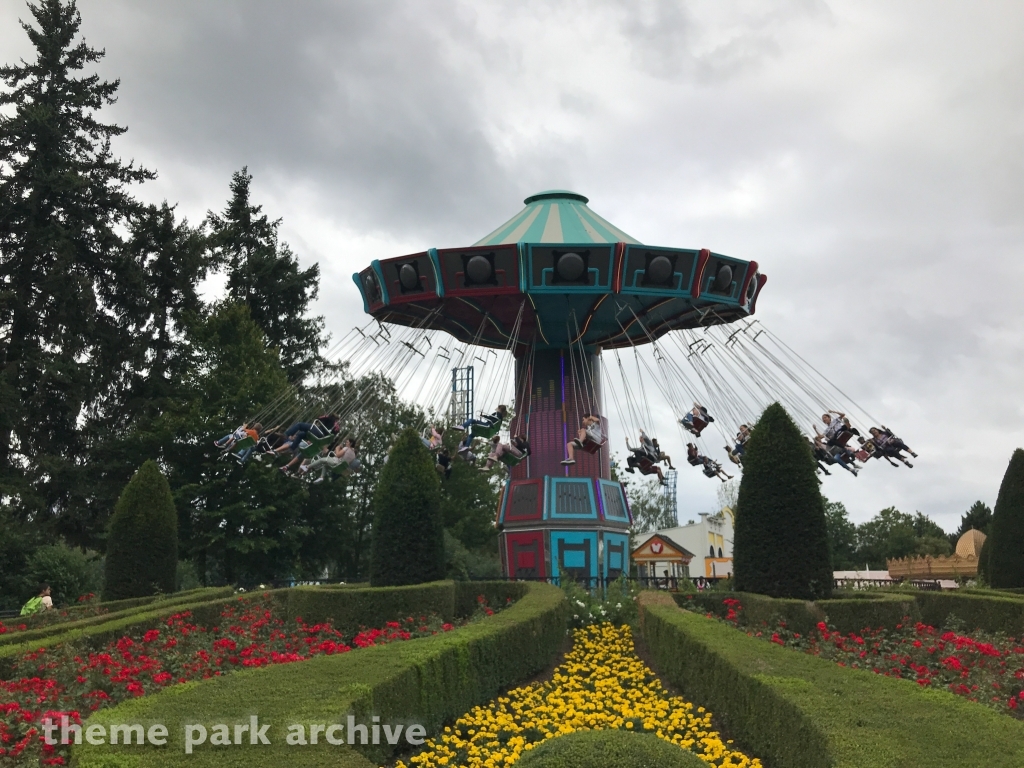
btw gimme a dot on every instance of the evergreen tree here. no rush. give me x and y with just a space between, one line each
63 196
408 531
781 539
142 542
239 524
264 274
842 537
978 517
1005 544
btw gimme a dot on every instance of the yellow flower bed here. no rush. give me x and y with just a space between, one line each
602 684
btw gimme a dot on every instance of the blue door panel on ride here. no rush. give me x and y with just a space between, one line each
613 502
573 555
616 555
571 498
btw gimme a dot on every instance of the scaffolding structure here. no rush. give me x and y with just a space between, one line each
670 494
460 409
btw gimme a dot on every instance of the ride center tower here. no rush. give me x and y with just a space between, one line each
555 285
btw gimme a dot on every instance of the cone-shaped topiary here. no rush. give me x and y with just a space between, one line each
781 538
1005 544
408 530
142 539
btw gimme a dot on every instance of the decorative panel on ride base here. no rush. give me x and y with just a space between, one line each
615 554
523 555
574 555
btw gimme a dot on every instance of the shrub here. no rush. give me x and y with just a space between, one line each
1006 545
609 749
70 573
349 609
142 541
408 531
796 711
781 537
428 681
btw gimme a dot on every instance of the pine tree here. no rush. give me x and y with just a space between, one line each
781 540
62 198
142 542
979 517
1005 545
264 274
408 531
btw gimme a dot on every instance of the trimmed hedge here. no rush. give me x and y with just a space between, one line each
131 607
846 615
794 710
351 609
427 681
609 749
991 613
497 594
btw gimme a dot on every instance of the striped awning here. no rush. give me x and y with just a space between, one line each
556 216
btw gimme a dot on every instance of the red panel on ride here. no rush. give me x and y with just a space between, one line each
525 554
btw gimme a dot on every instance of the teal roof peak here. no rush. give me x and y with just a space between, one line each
556 216
556 194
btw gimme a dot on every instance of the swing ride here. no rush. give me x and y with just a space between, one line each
551 311
555 286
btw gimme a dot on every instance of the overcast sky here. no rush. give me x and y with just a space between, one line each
870 156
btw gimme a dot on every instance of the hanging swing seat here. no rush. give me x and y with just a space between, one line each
589 445
646 466
693 424
510 459
485 431
311 448
842 438
244 444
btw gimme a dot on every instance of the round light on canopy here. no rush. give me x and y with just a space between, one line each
570 267
409 277
479 270
372 289
723 279
659 271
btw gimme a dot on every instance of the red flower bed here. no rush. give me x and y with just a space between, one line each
988 669
60 681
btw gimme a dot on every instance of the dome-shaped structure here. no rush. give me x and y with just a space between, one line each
969 545
556 216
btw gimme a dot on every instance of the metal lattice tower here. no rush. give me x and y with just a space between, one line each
670 492
461 407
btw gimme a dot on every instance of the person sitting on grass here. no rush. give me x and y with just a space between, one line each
41 602
590 430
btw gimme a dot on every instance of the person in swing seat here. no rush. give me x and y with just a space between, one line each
487 422
443 463
343 453
696 419
518 446
890 446
740 446
433 441
590 429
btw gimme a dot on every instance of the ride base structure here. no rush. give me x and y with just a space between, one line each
555 285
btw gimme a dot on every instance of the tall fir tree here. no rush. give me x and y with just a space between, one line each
781 545
1005 545
408 530
978 517
264 274
142 544
63 195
